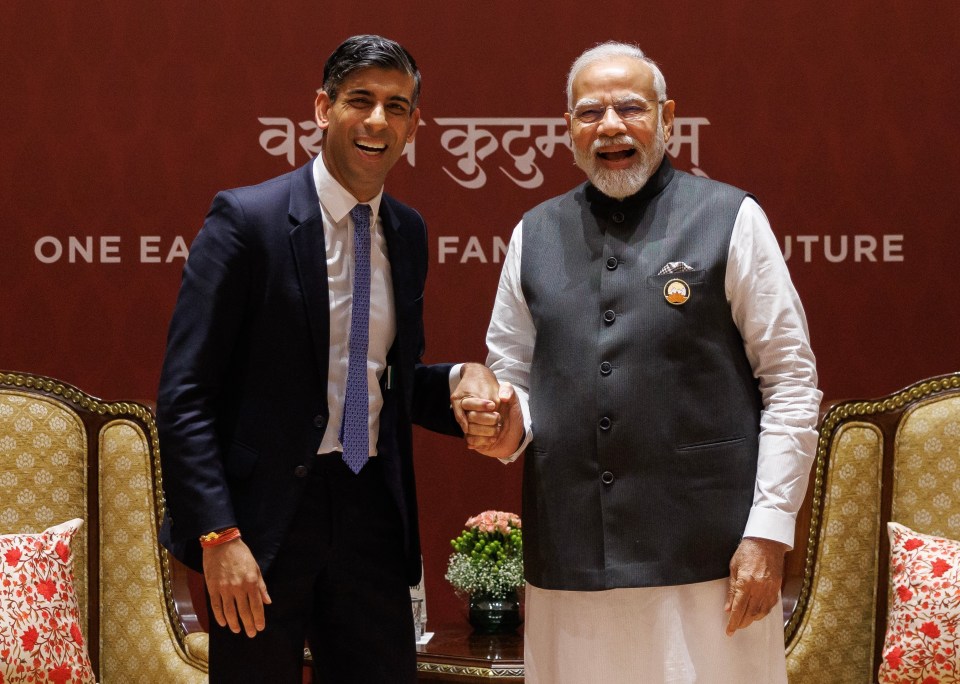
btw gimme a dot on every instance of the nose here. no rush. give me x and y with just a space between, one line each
610 123
377 118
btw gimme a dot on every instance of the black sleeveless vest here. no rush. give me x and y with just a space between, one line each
645 413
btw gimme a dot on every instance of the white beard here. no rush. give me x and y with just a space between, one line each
623 182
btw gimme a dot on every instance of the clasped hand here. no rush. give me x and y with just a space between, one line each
488 412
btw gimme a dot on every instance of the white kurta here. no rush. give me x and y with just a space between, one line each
659 635
676 634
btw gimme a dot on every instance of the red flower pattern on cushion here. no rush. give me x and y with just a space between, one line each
29 638
60 674
47 588
940 566
923 619
76 634
40 636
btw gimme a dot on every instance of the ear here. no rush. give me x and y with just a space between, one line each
413 125
668 108
321 110
569 120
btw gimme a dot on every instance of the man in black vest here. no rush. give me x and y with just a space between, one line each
666 386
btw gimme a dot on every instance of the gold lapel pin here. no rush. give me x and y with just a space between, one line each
676 291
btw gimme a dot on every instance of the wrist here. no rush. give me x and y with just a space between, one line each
523 437
219 537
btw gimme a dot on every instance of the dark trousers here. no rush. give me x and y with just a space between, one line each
338 582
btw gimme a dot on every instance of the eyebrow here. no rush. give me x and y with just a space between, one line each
630 97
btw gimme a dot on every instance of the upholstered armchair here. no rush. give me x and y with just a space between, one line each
896 458
64 455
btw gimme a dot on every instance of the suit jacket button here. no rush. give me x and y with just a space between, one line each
301 471
612 263
605 423
320 422
606 368
606 477
609 316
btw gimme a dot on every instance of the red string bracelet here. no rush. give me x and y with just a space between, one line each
221 537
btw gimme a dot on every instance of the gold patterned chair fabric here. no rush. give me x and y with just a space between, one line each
64 455
895 458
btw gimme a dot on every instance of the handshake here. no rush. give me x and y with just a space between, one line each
488 412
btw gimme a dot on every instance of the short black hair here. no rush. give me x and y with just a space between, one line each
362 52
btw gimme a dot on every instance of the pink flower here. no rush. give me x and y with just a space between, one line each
912 544
63 551
76 634
904 594
930 629
494 521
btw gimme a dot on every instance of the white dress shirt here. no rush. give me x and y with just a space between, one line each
768 313
335 204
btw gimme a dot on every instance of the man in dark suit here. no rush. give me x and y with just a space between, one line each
291 380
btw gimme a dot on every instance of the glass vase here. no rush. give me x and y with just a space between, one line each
490 615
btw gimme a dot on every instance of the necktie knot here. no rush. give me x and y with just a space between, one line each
361 217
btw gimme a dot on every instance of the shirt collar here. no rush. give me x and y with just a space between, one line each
335 198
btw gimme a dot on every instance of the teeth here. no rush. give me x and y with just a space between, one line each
372 147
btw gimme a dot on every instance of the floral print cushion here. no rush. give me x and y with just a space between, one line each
924 613
41 639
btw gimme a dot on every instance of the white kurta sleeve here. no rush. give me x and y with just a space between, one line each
511 334
770 317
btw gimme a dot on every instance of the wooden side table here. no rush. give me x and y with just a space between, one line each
456 655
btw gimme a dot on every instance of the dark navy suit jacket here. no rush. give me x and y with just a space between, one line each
242 405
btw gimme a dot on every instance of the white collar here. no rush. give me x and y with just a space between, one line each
335 198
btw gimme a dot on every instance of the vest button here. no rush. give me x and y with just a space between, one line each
606 368
605 423
301 471
606 477
320 422
612 263
609 316
618 217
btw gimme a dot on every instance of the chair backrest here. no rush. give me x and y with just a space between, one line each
895 458
65 454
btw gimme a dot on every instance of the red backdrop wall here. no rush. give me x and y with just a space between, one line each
122 119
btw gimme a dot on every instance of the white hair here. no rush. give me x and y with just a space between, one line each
614 49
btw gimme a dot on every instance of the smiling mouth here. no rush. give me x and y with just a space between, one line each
371 148
617 155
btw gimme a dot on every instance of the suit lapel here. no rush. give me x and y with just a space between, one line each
406 293
310 255
400 263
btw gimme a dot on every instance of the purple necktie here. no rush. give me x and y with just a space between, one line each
354 431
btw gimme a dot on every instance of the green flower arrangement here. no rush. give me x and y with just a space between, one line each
488 556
